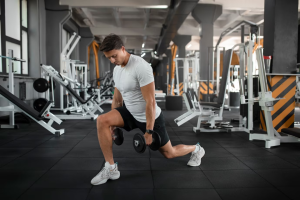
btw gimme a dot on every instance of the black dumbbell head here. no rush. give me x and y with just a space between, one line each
156 142
119 136
139 143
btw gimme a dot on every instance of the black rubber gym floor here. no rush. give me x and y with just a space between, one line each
36 165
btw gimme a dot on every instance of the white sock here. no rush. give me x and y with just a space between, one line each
196 149
111 166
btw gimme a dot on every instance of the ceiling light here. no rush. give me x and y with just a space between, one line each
156 6
143 54
176 56
143 45
260 22
189 46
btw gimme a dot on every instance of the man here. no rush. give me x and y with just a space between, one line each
134 84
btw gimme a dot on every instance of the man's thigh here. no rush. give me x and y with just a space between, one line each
128 119
112 118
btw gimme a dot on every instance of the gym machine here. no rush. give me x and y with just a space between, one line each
266 101
86 111
17 105
205 110
190 73
74 71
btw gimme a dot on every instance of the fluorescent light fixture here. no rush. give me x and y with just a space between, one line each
260 22
189 46
143 54
143 45
155 52
156 6
176 56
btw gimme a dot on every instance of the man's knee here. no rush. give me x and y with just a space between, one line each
102 121
168 155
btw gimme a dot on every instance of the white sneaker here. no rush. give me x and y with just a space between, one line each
106 173
195 159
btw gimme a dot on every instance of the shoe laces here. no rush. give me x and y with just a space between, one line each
195 156
104 172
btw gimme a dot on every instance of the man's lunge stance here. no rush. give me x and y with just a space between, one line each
134 85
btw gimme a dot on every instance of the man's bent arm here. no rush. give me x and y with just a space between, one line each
148 92
117 99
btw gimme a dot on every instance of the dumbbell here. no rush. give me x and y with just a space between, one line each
118 136
139 142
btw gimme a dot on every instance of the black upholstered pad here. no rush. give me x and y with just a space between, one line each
291 131
212 104
19 103
74 93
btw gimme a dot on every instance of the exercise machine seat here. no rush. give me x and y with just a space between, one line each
292 131
211 104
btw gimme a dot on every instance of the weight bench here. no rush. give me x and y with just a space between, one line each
204 110
30 112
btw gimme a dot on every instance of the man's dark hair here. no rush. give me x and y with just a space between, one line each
111 42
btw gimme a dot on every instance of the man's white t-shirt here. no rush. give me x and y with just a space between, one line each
129 80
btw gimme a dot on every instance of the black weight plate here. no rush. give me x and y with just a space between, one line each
119 136
156 142
41 85
141 146
39 104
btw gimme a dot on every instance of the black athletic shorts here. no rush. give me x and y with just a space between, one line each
131 123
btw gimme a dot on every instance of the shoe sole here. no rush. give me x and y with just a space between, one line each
200 162
105 180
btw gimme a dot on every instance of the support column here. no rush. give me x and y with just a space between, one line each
280 42
205 15
86 39
164 72
56 17
168 71
281 34
37 36
181 41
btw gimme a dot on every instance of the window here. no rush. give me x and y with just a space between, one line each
24 13
25 52
14 34
17 53
12 19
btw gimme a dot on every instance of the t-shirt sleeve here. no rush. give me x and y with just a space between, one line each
144 74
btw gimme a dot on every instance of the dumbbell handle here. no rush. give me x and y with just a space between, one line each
137 143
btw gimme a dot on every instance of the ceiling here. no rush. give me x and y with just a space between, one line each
139 22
